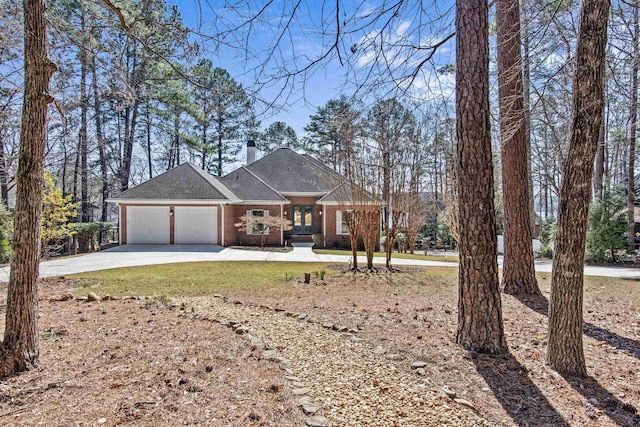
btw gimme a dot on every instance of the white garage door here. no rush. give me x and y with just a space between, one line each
148 225
196 225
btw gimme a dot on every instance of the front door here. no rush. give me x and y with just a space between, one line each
303 219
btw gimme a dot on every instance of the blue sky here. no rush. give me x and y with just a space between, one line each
312 31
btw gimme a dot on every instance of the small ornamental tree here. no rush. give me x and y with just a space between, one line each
57 212
262 225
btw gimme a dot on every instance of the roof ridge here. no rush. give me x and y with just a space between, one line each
226 191
157 176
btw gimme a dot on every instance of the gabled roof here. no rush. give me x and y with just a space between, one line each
248 187
184 182
288 172
343 194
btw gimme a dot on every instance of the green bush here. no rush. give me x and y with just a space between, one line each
607 228
89 232
547 234
6 233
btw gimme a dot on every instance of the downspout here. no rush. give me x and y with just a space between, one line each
282 222
222 239
324 224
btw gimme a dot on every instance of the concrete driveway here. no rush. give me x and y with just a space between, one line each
136 255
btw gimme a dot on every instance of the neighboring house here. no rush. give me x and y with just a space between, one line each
186 205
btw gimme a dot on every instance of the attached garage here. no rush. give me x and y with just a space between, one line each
196 225
148 225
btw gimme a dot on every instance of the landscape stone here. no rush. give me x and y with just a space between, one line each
242 330
270 355
395 356
379 350
63 297
447 392
309 408
301 391
304 399
91 296
302 316
466 403
327 325
317 421
418 364
292 378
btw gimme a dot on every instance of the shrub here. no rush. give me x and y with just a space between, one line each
6 233
57 212
318 240
547 234
90 233
607 228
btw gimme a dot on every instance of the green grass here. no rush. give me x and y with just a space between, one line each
445 258
195 278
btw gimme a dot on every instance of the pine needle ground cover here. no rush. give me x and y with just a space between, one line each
163 361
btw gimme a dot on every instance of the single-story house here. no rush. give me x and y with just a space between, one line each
186 205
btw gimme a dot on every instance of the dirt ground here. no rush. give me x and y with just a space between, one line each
152 362
142 362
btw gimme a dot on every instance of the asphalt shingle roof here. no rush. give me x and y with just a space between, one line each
286 171
185 182
247 186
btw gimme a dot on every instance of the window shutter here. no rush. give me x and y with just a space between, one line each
338 222
249 226
266 215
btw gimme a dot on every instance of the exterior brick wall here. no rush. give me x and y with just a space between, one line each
332 238
240 238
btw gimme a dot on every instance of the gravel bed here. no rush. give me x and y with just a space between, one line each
350 384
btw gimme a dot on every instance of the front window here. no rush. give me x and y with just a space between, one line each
344 217
256 227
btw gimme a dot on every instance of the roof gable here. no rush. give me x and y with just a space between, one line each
184 182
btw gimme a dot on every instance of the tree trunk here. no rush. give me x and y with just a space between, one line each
148 123
518 273
219 150
479 307
19 351
526 84
84 108
102 155
633 125
130 122
598 174
565 351
4 175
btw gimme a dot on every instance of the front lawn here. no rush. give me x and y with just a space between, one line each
194 278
